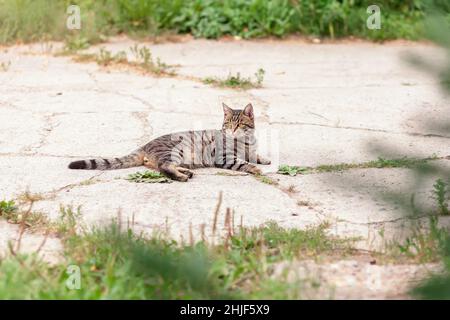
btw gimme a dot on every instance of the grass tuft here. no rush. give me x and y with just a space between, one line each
148 177
404 162
440 195
237 81
120 264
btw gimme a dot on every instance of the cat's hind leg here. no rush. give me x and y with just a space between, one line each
173 172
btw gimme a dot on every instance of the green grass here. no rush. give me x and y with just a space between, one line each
118 264
424 244
237 81
143 59
266 180
75 43
404 162
442 195
31 20
148 177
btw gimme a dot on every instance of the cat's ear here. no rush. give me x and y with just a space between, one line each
227 111
248 111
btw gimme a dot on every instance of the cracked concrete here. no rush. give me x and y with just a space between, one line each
328 103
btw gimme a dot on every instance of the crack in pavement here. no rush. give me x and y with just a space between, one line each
336 219
53 193
50 125
382 222
143 118
414 134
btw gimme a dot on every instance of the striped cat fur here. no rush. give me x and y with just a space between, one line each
233 147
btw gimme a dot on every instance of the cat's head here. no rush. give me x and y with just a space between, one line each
238 122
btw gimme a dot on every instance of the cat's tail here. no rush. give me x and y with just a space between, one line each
134 159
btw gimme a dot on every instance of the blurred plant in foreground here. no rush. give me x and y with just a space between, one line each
438 31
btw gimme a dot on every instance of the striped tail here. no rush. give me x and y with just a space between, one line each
134 159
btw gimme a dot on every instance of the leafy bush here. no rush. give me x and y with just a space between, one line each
42 19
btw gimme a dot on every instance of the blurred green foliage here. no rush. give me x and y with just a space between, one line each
28 20
438 31
117 263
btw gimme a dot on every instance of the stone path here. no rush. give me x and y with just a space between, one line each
328 104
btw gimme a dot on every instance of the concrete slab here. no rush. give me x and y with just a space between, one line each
38 175
20 130
329 103
47 248
152 206
363 202
354 279
313 145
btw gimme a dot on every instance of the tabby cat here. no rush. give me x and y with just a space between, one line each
233 147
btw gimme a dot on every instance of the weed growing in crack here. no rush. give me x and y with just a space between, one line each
148 177
291 189
29 219
30 197
4 66
404 162
75 44
237 81
105 57
425 244
266 180
144 59
305 203
67 222
260 76
291 170
440 195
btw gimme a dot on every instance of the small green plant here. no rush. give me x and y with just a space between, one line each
4 66
105 57
12 214
74 44
424 244
260 76
120 57
237 81
148 177
267 180
292 170
142 54
67 222
7 207
440 195
144 59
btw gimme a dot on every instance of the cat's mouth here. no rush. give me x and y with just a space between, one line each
236 133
